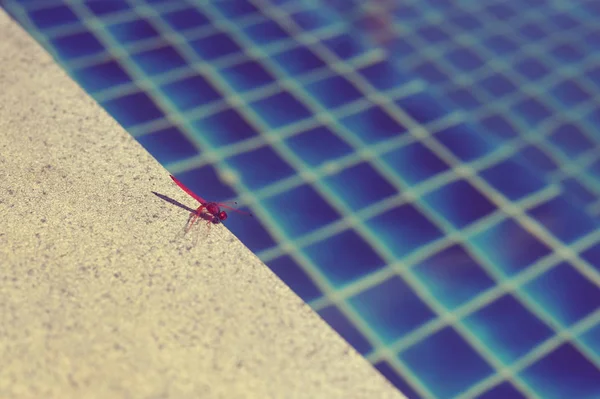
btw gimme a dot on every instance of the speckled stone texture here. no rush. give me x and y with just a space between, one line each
100 295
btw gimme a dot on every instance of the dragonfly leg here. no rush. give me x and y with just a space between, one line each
192 219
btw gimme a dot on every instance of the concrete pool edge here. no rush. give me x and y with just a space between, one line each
104 298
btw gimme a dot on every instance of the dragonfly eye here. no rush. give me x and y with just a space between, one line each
223 215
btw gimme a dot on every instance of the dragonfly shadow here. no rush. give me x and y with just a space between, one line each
172 201
203 215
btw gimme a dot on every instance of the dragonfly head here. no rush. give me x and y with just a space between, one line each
219 217
215 210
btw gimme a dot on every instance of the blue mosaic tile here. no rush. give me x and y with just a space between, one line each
537 159
563 22
532 111
464 98
465 22
344 7
513 180
498 126
459 203
570 140
509 247
566 53
281 109
132 31
383 75
569 93
563 220
401 47
501 45
502 391
565 294
336 319
406 12
300 210
591 41
593 117
465 59
185 19
224 128
466 143
501 11
235 8
360 186
298 61
333 92
266 32
295 277
396 379
498 85
344 46
310 20
247 75
422 107
508 329
252 232
572 375
532 31
191 92
392 309
429 360
453 277
107 7
373 125
344 257
432 34
168 145
329 146
578 192
532 69
593 170
592 8
206 182
591 338
593 74
215 46
408 223
430 72
260 167
281 2
438 5
592 256
77 45
101 76
50 17
133 109
159 60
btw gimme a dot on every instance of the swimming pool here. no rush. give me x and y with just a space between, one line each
423 175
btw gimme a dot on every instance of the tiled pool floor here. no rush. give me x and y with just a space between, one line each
425 175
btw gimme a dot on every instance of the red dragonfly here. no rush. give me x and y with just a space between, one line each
209 211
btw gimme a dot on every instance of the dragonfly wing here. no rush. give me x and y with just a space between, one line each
190 192
233 209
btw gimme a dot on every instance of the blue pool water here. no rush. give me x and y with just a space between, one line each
425 173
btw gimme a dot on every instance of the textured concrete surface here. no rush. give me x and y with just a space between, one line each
101 297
